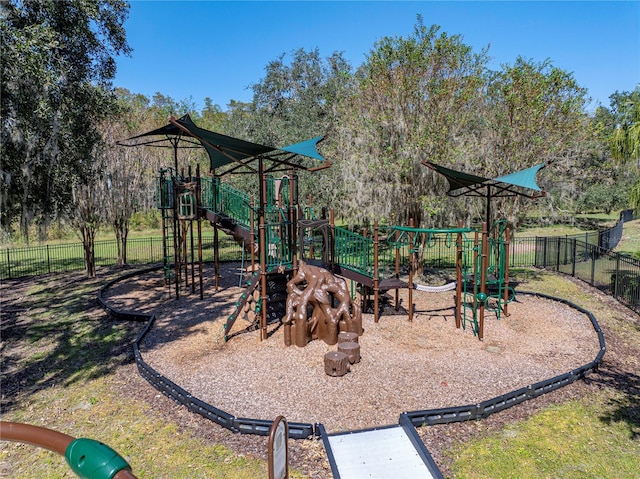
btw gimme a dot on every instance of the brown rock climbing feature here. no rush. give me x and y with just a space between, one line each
336 363
326 297
352 350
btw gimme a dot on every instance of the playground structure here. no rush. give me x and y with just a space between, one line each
281 239
277 233
88 458
320 290
416 418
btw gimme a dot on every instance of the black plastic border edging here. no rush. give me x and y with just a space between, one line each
305 430
117 313
180 395
484 409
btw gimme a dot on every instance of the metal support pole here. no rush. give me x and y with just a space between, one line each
476 263
293 220
332 240
459 277
193 256
176 245
507 246
397 295
216 256
376 291
165 262
252 243
199 219
263 248
200 271
193 259
411 265
185 256
483 279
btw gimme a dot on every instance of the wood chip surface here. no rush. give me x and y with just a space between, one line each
405 366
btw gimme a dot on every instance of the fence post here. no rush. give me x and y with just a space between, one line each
593 264
48 260
151 249
558 254
617 276
575 253
8 263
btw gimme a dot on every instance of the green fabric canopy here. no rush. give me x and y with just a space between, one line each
223 149
456 179
306 148
514 184
503 185
524 178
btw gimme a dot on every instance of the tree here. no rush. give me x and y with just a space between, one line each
296 101
533 113
415 98
126 177
625 140
212 117
86 216
57 61
604 182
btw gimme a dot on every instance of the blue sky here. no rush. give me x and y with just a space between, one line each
216 49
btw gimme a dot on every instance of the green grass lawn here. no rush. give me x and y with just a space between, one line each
153 447
571 440
593 437
630 242
556 230
65 364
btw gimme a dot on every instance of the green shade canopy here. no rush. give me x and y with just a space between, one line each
514 184
457 180
222 149
524 178
306 148
466 184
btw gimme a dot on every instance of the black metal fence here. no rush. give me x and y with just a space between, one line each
590 259
60 258
614 273
586 256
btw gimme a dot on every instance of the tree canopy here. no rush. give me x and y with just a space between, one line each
424 96
57 63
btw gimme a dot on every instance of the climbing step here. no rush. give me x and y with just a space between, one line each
380 453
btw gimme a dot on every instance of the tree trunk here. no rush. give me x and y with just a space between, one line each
125 234
88 243
116 230
121 229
